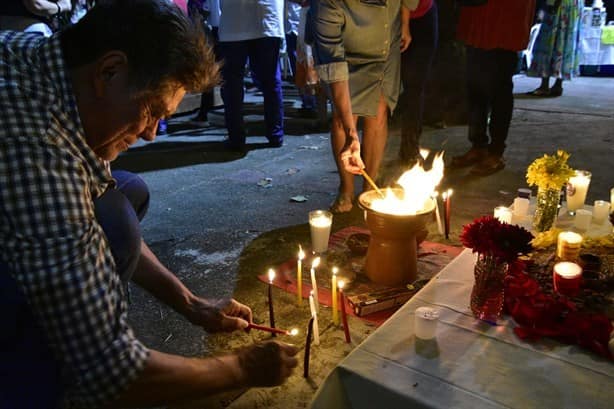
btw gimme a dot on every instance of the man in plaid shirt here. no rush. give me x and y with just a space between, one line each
69 229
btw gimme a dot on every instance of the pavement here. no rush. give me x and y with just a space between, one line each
218 219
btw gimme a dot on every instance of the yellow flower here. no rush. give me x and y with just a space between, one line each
550 171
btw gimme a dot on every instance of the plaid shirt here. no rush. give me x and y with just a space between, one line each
55 249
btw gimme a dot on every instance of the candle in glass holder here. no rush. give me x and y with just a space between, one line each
567 277
320 222
503 214
568 246
577 187
582 220
601 210
425 322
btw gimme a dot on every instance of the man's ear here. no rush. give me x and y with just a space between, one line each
112 66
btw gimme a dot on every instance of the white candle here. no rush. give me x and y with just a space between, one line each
577 187
320 222
503 214
521 206
299 276
582 220
425 322
601 210
568 270
437 214
568 245
314 315
314 284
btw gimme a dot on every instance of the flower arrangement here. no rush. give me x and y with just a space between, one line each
497 241
549 171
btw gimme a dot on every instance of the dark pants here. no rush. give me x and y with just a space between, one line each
263 54
207 98
30 377
291 39
490 92
416 63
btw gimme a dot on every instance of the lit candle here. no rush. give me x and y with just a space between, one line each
320 222
344 318
299 276
568 246
308 348
567 277
271 312
503 214
334 289
435 197
447 211
272 330
577 187
314 285
314 315
425 322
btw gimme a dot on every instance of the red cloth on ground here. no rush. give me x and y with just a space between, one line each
497 24
286 274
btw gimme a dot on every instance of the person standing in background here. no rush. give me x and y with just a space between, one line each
416 63
493 34
31 15
555 51
252 29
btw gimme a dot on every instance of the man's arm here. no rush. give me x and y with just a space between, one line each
47 8
405 31
173 379
212 315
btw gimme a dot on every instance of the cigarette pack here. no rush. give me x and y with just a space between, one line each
368 303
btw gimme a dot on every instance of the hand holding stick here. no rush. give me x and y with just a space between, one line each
371 182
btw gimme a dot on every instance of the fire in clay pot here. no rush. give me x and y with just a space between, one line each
398 222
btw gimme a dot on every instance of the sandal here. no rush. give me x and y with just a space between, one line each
341 205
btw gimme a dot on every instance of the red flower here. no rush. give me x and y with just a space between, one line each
502 241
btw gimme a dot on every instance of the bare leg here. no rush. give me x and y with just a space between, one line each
343 203
375 135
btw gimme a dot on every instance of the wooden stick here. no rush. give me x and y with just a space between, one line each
307 349
371 182
251 325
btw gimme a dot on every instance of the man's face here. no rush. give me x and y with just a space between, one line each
118 119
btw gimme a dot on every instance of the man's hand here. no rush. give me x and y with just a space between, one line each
267 364
219 315
350 154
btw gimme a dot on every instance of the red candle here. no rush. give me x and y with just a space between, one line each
344 317
567 277
307 348
251 325
447 211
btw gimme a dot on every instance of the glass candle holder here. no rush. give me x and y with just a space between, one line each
582 220
425 322
320 222
601 209
577 187
568 246
521 207
567 277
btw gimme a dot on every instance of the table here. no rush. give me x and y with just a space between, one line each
470 364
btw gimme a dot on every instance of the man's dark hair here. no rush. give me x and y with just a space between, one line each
164 47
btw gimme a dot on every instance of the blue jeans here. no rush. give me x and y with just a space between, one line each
30 377
263 54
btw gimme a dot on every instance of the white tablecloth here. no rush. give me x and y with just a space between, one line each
471 364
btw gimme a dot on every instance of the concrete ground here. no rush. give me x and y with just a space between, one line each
218 219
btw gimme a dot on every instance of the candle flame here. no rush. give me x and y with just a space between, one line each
293 332
301 253
418 187
341 284
335 271
315 262
450 191
271 275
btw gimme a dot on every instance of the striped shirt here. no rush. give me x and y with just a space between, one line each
55 249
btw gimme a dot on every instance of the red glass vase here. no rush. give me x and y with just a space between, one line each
487 292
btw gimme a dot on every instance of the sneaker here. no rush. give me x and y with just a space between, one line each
276 142
471 157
